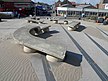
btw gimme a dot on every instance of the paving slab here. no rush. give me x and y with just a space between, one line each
94 32
101 42
64 71
71 69
94 52
101 45
41 67
14 64
87 71
37 64
105 33
83 72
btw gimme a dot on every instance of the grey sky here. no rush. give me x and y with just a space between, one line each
78 1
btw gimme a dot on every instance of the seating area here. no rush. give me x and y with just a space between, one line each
50 52
56 20
28 36
35 21
73 25
25 36
39 30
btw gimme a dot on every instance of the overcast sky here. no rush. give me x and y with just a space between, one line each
77 1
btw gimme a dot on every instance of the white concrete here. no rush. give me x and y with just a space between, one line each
65 22
28 50
55 21
70 29
52 59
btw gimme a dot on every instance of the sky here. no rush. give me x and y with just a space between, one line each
77 1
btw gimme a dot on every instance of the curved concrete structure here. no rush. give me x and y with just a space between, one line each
28 50
24 37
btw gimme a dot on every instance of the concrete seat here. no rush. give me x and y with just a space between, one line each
32 43
36 18
73 25
35 21
46 28
65 22
55 21
39 30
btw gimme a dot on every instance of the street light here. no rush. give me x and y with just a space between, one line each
34 8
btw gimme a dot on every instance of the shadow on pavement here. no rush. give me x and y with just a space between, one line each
81 28
73 58
48 34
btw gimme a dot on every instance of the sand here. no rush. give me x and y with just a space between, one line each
14 64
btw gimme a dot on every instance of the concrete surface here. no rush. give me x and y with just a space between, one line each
88 62
23 36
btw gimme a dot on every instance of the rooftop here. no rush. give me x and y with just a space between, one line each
16 0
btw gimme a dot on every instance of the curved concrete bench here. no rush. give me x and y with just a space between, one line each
73 25
23 36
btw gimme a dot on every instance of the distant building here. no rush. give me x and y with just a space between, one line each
103 1
82 6
21 6
87 9
58 3
65 3
103 4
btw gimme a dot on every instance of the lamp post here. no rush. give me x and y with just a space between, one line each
34 8
98 12
53 8
67 8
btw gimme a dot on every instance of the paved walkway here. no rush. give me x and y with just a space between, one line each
86 56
